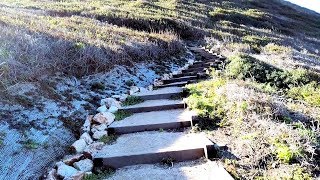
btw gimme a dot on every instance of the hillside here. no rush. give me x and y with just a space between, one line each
59 58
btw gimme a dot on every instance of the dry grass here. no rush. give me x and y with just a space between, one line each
263 133
43 37
266 110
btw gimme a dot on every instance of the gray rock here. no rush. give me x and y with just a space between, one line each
113 109
92 148
116 97
87 138
70 159
65 171
123 97
78 176
150 87
79 145
133 89
104 118
52 175
99 134
85 165
100 127
87 124
102 108
142 89
108 102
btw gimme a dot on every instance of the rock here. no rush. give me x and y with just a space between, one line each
190 61
70 159
87 124
88 173
79 145
157 82
104 118
108 102
133 89
87 138
52 175
85 165
92 148
113 109
102 109
142 89
123 97
100 127
65 171
78 176
165 77
116 97
99 134
150 88
175 72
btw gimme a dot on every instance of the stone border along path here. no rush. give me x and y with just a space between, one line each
142 139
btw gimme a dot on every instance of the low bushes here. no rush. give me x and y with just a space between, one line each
246 67
309 93
206 101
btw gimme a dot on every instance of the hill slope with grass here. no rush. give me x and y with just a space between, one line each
58 58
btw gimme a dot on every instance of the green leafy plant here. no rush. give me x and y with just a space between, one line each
109 139
132 100
30 144
284 152
100 174
309 92
121 114
272 48
209 105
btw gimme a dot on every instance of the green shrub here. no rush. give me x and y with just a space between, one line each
132 100
252 17
272 48
309 93
100 175
300 174
255 42
119 115
226 36
244 66
109 139
283 151
30 144
204 99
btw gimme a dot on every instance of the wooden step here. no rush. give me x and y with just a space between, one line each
179 79
194 170
202 64
150 121
154 105
153 147
161 93
194 70
184 74
177 84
